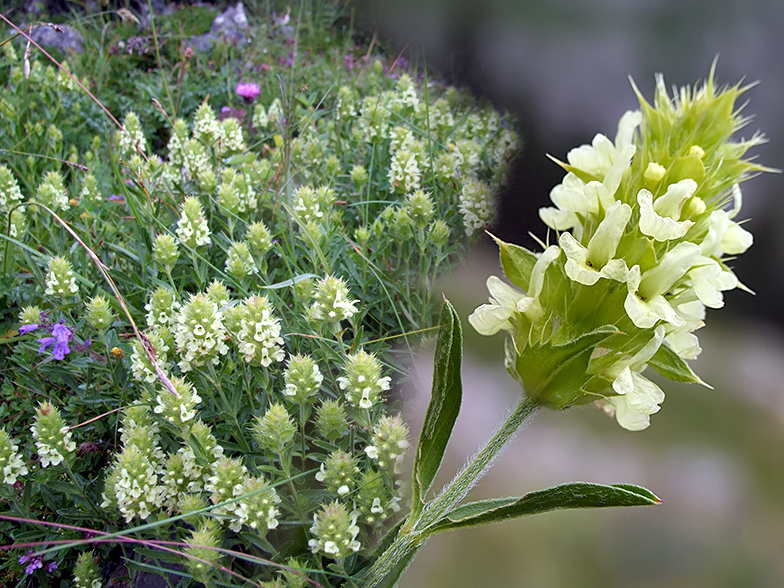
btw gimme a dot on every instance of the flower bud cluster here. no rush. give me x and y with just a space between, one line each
259 238
164 252
100 315
52 436
86 572
331 421
203 558
275 430
239 261
651 220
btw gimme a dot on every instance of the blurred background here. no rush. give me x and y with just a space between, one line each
715 456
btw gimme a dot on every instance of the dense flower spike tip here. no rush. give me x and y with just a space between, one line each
86 572
362 380
52 436
259 339
11 464
332 302
60 279
192 228
334 531
200 333
645 225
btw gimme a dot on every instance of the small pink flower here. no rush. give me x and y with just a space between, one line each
248 90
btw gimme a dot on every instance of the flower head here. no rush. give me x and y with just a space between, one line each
248 90
362 380
645 223
52 436
60 279
334 531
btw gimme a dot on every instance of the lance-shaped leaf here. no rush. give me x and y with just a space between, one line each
444 405
572 495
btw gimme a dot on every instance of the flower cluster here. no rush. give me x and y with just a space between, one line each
390 441
651 216
362 381
132 483
334 531
11 463
52 436
259 339
60 279
332 302
192 228
131 137
86 572
200 333
303 379
177 409
9 189
52 193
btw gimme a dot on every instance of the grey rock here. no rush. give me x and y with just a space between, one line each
145 579
231 24
63 37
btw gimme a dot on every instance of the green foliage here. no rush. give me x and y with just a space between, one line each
237 236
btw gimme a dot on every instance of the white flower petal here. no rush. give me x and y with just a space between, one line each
660 228
558 220
671 202
736 239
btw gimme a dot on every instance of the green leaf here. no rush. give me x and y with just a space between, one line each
517 263
444 406
572 495
670 365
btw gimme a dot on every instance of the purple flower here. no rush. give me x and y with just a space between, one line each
33 561
116 198
52 566
62 336
27 328
226 109
61 333
248 90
